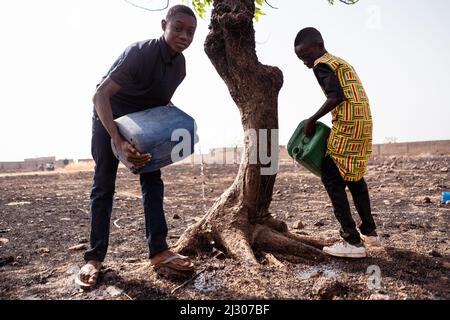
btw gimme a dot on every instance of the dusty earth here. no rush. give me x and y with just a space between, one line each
44 230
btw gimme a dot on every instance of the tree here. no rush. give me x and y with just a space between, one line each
240 219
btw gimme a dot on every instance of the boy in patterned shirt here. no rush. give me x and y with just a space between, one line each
349 144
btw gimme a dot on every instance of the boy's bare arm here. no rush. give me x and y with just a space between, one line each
330 104
102 104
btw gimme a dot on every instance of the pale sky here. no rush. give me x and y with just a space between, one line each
55 51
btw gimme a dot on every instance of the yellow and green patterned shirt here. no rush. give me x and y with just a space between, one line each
350 140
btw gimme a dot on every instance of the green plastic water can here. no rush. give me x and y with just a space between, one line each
309 151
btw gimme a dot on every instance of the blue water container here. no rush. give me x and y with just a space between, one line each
166 132
445 196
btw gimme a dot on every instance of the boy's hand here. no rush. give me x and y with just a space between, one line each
134 156
309 127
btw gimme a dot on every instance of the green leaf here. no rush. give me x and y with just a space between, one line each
258 12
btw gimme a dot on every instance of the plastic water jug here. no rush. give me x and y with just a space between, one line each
445 196
166 132
309 151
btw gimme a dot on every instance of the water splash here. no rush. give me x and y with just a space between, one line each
208 283
202 175
327 271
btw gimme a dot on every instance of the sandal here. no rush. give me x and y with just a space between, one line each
169 263
93 274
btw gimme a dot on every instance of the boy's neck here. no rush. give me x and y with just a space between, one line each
321 54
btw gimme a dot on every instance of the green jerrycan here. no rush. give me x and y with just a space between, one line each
309 151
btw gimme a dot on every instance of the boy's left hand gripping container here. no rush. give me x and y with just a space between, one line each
309 151
166 132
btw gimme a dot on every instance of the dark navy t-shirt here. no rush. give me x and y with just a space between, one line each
148 76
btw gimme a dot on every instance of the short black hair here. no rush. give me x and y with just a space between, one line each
179 8
310 36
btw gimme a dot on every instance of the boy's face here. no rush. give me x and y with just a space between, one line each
179 32
308 53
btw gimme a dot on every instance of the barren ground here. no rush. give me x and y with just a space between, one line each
43 215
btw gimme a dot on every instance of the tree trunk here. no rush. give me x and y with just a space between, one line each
240 220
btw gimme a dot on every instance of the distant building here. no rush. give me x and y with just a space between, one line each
233 155
228 155
32 164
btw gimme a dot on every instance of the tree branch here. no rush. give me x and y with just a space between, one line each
145 8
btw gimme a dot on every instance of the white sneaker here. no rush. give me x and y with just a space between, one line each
372 241
345 250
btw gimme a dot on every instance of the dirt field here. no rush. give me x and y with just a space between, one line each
42 216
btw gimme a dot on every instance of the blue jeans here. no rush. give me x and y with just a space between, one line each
102 193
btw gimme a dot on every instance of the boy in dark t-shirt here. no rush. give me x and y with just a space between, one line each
145 75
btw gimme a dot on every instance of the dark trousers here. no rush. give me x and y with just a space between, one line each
335 186
102 193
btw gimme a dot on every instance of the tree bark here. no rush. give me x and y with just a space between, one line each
240 220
